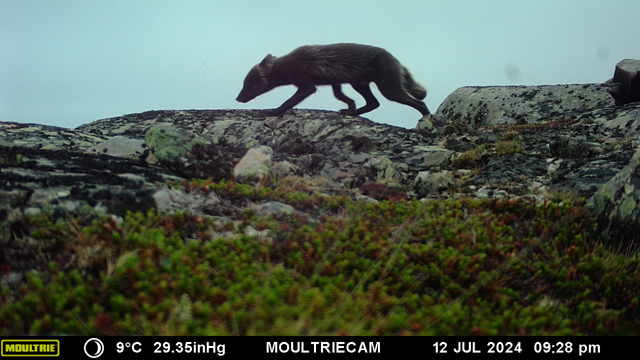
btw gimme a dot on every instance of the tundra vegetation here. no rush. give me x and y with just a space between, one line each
336 267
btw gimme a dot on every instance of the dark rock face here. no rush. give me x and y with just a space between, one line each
626 75
71 181
510 168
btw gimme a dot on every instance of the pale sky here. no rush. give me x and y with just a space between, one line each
71 62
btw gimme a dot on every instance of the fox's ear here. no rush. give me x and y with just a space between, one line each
267 62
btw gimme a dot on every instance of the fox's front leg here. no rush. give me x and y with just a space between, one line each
351 105
302 93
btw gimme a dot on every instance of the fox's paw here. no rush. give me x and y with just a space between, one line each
266 113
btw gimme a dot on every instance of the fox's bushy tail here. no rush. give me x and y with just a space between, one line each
416 90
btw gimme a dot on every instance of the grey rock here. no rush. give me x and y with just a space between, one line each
189 155
32 211
62 182
617 203
254 166
13 279
625 123
120 146
276 207
250 231
484 192
500 194
496 105
162 198
487 192
45 137
428 156
426 182
366 199
382 168
283 169
511 168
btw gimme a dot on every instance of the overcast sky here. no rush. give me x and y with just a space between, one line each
70 62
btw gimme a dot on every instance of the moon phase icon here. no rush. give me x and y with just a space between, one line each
99 348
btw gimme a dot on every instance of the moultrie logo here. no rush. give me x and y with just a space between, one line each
25 347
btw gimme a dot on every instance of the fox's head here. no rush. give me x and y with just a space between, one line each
257 80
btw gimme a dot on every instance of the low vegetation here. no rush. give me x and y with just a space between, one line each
482 154
448 267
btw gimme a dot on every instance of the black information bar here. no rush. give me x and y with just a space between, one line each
192 347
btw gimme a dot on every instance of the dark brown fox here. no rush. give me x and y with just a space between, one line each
336 64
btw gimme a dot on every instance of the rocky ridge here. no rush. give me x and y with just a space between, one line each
514 142
482 141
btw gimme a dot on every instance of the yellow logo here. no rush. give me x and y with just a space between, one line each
23 347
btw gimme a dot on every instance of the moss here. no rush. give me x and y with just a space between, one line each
627 206
510 135
467 159
482 154
508 148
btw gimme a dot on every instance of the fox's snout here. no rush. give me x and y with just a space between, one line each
245 96
248 93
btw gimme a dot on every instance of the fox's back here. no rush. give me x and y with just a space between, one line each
337 63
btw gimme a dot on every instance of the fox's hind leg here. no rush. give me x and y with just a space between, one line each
395 92
365 91
351 105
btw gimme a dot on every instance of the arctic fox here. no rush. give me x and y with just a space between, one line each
336 64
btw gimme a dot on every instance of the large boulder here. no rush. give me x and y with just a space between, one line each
495 105
626 75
